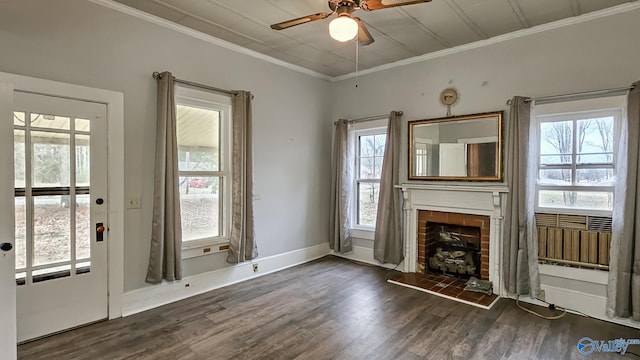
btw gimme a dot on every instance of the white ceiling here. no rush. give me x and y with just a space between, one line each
399 33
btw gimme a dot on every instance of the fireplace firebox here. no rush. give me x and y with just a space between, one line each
454 244
453 249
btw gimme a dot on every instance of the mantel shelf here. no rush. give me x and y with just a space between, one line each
454 187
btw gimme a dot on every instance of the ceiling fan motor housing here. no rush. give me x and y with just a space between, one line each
344 10
335 4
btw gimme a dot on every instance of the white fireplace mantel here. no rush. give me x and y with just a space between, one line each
487 200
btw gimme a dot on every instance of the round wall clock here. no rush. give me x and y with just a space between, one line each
448 96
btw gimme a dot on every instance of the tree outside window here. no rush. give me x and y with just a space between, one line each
369 156
576 161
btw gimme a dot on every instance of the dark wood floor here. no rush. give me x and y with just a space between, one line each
328 309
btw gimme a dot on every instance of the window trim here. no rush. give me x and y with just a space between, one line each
211 101
373 128
574 116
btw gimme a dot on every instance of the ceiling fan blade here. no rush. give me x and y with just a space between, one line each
300 20
370 5
364 36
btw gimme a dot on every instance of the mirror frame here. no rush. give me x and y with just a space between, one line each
495 114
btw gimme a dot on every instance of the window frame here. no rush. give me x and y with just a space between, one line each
186 96
575 116
378 127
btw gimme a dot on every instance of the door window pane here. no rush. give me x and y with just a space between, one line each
18 118
51 229
50 121
83 160
19 158
83 227
21 278
200 207
82 125
83 267
198 139
21 232
51 159
51 273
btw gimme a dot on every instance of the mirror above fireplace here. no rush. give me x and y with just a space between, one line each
461 148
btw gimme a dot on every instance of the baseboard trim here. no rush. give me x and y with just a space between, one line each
150 297
365 255
593 306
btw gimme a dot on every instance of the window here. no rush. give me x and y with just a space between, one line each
369 153
576 160
203 125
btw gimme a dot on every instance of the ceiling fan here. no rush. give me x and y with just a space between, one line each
345 26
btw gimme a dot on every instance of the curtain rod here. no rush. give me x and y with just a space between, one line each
157 75
369 118
584 93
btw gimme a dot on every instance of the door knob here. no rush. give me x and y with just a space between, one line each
6 246
100 232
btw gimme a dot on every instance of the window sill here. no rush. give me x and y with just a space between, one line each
574 211
362 233
571 273
207 247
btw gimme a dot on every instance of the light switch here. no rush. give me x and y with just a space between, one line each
133 202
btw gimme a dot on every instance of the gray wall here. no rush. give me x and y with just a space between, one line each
83 43
598 54
79 42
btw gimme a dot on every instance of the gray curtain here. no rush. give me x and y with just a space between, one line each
242 245
341 188
165 257
387 243
623 290
520 250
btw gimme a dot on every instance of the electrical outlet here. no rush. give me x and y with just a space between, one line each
541 296
255 267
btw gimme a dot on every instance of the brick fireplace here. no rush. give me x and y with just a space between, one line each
453 243
464 210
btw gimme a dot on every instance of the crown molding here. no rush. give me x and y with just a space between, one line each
205 37
619 9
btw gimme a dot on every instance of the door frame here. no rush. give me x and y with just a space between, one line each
7 258
115 142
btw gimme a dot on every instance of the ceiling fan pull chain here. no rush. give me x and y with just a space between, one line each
357 60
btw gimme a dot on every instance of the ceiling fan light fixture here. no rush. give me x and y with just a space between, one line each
343 28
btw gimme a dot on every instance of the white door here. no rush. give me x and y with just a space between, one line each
60 171
453 159
7 280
